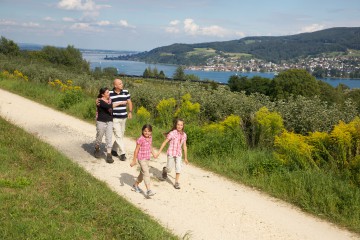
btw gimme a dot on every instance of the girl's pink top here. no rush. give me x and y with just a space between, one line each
176 140
145 148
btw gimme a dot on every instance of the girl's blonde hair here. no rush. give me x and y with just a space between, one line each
175 122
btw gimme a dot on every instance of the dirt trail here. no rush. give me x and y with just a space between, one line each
206 207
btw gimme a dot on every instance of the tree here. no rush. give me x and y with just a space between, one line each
97 72
110 71
179 73
354 94
146 73
155 72
69 56
295 82
238 84
162 75
9 47
260 85
192 77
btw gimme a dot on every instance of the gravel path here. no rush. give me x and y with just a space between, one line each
206 207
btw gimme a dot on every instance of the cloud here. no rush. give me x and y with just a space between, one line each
85 27
173 28
90 16
31 25
189 27
82 5
312 28
214 31
103 23
240 34
49 19
124 24
68 19
174 22
5 22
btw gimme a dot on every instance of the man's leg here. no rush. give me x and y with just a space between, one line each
119 131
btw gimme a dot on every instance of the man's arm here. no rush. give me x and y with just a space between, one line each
130 108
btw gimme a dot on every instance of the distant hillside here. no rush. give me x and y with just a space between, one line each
272 49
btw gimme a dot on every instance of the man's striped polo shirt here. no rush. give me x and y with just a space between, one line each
120 111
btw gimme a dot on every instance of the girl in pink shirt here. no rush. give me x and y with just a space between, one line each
142 154
177 142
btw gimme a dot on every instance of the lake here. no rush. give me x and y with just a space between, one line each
96 59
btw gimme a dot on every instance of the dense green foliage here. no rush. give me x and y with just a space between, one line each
293 84
272 49
8 47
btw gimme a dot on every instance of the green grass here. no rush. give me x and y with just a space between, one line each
320 193
44 195
202 51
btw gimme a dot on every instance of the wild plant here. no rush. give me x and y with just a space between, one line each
188 111
293 151
166 110
143 115
267 126
220 139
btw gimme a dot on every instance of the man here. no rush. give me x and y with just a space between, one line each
120 114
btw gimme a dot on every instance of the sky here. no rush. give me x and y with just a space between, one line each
142 25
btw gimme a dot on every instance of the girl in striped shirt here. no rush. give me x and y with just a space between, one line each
142 154
176 138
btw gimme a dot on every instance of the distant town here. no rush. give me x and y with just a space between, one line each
322 67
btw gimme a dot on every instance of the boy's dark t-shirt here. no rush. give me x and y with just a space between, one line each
104 112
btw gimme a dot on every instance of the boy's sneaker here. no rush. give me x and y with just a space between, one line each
150 193
177 186
164 173
114 153
97 153
122 157
136 189
109 158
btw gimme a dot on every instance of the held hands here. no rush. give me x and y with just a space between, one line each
133 163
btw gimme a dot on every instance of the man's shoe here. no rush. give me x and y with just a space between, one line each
177 185
122 157
114 153
97 153
164 173
109 158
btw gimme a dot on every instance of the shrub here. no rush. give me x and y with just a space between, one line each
188 111
70 97
166 109
268 125
89 109
143 115
293 151
345 140
321 146
220 139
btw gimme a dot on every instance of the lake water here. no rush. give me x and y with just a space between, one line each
96 59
